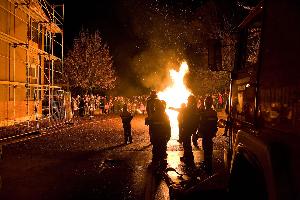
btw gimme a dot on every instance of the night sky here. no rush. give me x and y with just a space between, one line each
144 36
114 18
105 16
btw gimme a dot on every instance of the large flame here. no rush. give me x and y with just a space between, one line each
175 95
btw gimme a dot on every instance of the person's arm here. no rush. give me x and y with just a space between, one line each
176 109
147 107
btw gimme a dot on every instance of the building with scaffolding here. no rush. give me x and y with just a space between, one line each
31 59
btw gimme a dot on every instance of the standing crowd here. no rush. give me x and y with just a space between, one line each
196 119
194 122
90 105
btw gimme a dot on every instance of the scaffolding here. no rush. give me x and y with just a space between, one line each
40 52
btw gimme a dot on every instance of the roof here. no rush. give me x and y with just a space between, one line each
37 11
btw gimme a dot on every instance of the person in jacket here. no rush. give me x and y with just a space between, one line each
190 120
126 120
161 132
150 108
208 128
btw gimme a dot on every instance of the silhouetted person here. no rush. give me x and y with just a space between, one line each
227 123
126 120
150 108
161 132
196 135
81 107
190 122
179 119
208 128
180 122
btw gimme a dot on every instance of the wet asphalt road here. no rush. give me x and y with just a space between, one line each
86 160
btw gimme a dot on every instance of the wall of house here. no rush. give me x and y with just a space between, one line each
15 106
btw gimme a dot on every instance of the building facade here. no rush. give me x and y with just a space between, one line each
31 55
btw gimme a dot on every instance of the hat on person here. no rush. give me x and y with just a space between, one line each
208 101
153 93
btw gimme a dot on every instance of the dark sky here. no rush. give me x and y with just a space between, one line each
113 17
102 15
129 27
107 17
143 35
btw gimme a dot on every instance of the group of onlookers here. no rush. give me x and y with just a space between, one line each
196 119
90 105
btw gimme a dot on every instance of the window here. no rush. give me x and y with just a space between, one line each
34 31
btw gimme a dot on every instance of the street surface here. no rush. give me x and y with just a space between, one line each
88 160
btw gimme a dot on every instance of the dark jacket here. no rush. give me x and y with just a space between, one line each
208 123
126 118
190 120
150 108
161 127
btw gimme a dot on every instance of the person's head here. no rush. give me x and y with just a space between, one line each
183 105
208 102
125 107
191 100
200 103
153 94
164 103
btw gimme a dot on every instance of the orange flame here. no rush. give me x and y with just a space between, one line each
175 95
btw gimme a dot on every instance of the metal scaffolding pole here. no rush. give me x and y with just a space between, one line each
28 72
62 42
52 53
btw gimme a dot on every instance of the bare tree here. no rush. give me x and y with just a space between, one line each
88 65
